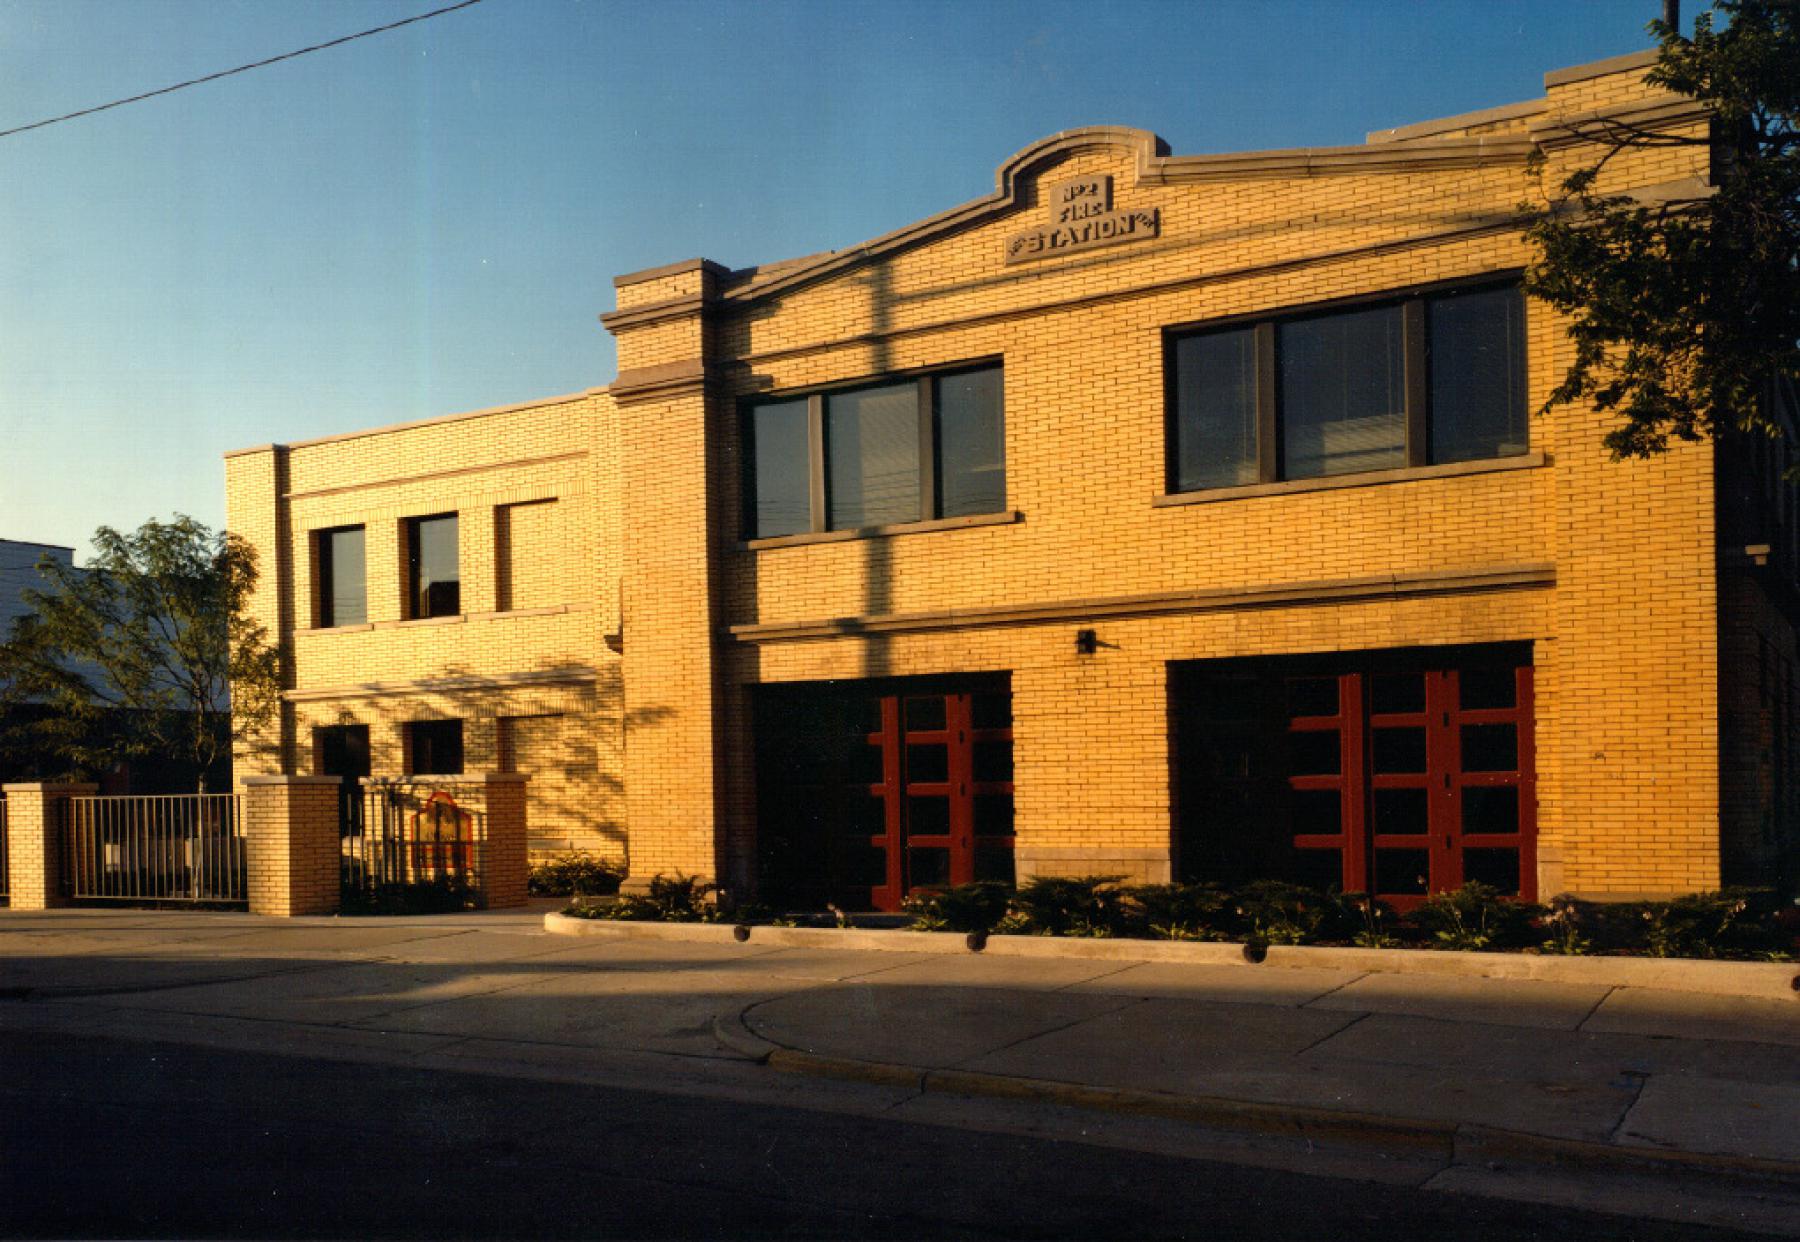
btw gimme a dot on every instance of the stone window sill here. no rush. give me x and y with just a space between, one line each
1369 478
549 610
881 532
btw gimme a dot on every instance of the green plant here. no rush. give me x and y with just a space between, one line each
575 874
1067 906
1476 917
1728 923
671 899
1272 912
976 907
1565 921
1175 911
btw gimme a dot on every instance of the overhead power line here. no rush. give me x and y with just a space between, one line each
225 73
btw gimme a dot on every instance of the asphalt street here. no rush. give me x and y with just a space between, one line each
104 1137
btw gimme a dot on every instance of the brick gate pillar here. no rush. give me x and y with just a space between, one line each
291 842
34 839
504 869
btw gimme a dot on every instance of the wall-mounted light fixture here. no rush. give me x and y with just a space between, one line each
1087 642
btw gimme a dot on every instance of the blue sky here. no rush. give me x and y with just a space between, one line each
428 220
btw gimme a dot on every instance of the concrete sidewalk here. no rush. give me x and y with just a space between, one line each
1465 1074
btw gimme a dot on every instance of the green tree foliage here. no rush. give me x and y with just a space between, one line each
1684 314
148 650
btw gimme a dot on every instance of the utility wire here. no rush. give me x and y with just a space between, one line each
213 77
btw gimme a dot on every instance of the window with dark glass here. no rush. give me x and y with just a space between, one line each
433 576
781 468
343 583
1432 378
436 747
884 454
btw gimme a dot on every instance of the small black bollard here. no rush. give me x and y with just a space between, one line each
976 941
1255 951
740 933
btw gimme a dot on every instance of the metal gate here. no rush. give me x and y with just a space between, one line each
408 849
155 848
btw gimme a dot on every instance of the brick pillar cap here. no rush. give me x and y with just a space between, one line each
293 780
74 787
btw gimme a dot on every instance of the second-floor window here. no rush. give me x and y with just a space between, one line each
904 450
1433 378
433 575
343 582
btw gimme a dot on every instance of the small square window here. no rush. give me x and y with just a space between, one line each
435 747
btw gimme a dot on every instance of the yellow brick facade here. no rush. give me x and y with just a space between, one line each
616 624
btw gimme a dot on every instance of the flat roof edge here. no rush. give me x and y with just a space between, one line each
414 423
1600 68
1462 120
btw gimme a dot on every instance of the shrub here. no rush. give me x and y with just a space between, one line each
576 874
1176 911
672 899
1272 912
1089 905
441 895
1476 917
976 907
1729 923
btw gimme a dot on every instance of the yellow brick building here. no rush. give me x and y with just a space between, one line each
1164 516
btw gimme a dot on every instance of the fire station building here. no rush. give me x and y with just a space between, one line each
1168 516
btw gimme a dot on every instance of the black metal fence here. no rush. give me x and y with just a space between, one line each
155 848
5 853
408 849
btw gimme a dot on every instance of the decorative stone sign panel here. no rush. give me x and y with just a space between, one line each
1081 217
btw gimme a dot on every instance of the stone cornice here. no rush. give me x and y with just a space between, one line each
1173 603
653 312
1396 156
669 379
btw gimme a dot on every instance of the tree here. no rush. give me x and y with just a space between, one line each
1686 315
147 650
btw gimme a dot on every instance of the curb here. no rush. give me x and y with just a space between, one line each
1760 980
1455 1143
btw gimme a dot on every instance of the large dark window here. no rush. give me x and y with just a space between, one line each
434 579
343 584
436 746
1433 378
904 450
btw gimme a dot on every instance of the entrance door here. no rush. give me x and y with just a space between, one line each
946 791
1400 773
868 791
1419 780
